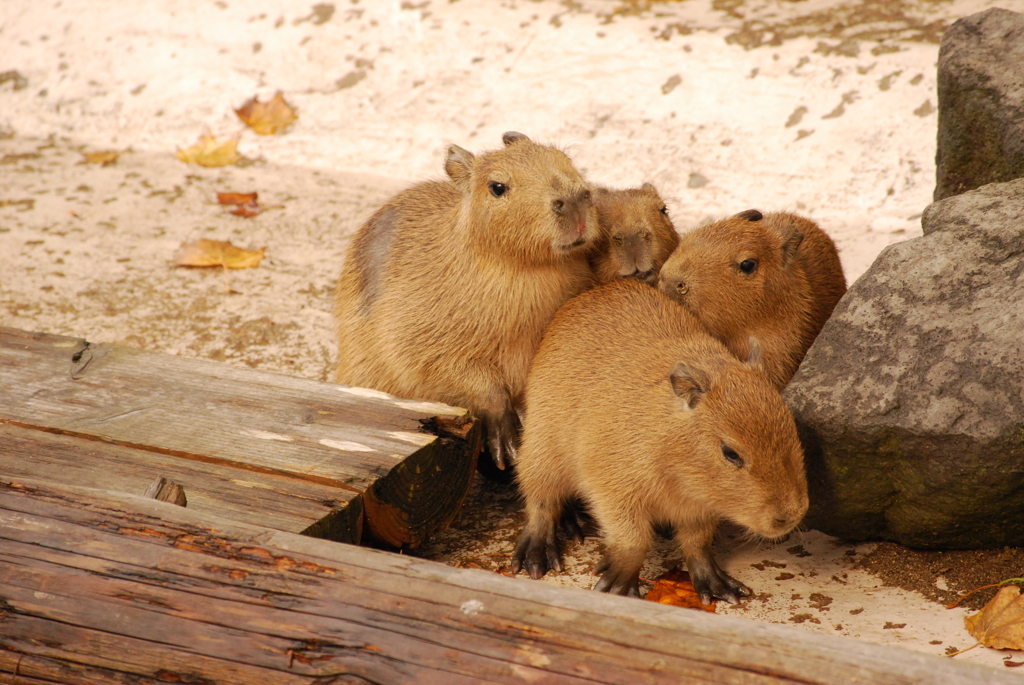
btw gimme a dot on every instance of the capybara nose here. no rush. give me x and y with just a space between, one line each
578 200
787 523
645 276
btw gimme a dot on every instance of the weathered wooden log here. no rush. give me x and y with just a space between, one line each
167 491
283 452
99 587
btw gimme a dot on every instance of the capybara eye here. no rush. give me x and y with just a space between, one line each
617 238
497 189
645 235
682 287
748 266
587 196
731 456
664 210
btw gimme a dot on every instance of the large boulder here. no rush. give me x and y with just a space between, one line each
911 401
981 102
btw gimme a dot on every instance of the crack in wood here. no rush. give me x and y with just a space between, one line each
84 356
313 651
6 610
175 677
207 459
139 598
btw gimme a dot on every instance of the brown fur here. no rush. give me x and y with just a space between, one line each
629 404
447 288
784 303
636 234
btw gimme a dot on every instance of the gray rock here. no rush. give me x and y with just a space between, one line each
911 401
981 102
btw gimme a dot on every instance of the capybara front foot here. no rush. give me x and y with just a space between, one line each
617 579
537 553
711 582
576 522
503 437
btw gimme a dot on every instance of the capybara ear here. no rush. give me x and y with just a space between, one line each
599 191
510 137
689 384
458 165
790 236
749 215
649 187
755 358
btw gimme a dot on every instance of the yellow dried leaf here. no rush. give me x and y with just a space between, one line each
210 152
206 252
106 157
267 118
1000 624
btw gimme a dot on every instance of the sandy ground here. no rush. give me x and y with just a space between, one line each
822 107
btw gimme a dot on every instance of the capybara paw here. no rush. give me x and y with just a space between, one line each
571 527
576 522
717 584
616 579
537 555
503 438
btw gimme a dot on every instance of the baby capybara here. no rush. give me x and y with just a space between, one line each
633 408
776 277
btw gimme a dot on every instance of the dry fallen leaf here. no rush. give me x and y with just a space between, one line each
675 588
106 157
236 198
245 203
1000 624
206 252
210 152
267 118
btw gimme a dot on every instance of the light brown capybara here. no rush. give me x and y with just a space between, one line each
636 234
636 410
447 288
776 277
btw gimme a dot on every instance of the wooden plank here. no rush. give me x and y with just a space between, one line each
319 431
273 500
413 460
113 588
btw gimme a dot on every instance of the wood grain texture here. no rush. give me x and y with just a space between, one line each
265 499
100 587
403 508
319 446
